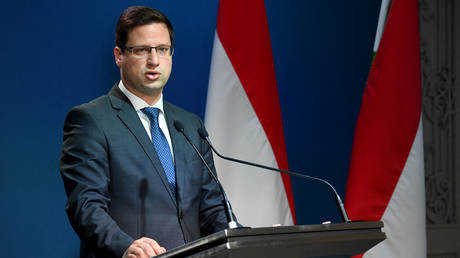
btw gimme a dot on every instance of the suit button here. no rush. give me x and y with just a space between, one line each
181 215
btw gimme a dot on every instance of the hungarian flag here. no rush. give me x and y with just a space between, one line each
386 177
243 116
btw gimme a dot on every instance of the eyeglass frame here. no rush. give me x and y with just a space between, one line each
130 49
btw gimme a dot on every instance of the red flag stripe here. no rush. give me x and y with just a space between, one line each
389 116
243 30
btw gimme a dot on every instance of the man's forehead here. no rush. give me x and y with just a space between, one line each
159 31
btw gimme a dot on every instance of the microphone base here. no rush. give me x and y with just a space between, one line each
232 224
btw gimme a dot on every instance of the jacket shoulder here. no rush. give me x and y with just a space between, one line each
177 113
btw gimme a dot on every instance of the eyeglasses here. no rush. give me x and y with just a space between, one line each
143 51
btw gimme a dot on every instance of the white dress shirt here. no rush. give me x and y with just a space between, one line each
139 104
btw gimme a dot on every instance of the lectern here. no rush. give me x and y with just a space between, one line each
325 240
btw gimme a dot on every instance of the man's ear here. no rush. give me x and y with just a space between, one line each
117 52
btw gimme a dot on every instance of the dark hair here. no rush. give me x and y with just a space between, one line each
137 16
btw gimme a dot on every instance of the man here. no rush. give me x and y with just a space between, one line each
135 187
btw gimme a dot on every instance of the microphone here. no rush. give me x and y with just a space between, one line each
228 209
204 135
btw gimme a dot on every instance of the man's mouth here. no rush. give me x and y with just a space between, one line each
152 75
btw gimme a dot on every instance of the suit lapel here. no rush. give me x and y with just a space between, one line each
129 117
177 141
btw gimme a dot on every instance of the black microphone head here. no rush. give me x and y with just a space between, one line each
179 126
203 133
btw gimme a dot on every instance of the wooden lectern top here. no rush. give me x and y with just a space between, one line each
286 241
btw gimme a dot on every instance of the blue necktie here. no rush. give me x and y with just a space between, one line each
161 146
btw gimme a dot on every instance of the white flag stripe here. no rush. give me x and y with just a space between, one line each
381 25
405 228
258 197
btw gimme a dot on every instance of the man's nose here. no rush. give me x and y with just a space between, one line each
152 58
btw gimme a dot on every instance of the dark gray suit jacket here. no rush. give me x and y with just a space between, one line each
116 187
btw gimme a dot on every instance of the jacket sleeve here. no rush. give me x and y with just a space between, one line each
85 170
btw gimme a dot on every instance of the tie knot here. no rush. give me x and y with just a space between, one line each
151 112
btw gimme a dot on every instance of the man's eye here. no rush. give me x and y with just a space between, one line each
163 50
140 51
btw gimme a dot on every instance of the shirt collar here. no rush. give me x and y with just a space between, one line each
137 102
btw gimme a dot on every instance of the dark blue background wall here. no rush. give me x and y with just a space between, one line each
58 54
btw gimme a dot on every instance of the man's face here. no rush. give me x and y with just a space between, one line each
145 76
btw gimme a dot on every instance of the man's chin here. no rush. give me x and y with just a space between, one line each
152 89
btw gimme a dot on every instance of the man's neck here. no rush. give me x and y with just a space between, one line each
150 99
